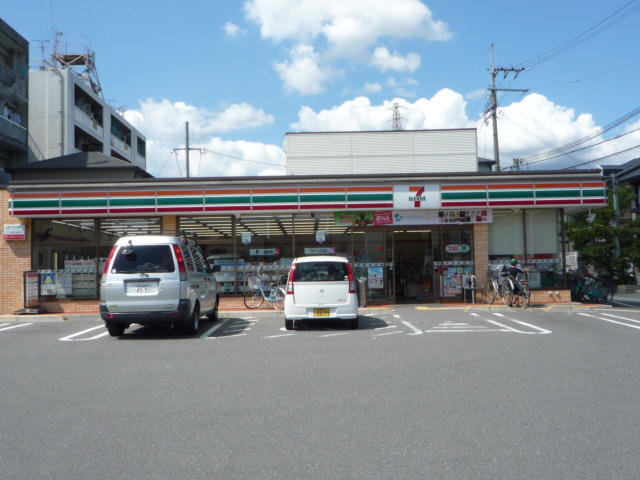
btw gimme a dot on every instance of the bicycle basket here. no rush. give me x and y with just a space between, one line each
253 282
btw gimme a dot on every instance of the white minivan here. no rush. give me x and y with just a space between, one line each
156 279
321 287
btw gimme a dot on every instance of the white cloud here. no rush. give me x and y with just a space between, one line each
339 29
163 124
445 110
231 30
372 87
384 60
303 73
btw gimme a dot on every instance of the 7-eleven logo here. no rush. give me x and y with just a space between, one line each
417 196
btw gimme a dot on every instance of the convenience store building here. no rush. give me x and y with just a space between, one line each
416 237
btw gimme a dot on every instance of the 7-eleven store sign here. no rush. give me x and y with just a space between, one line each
416 197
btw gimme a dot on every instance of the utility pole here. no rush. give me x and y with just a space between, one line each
493 107
187 149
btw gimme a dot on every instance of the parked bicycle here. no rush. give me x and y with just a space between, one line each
590 288
493 285
501 285
515 286
516 292
256 294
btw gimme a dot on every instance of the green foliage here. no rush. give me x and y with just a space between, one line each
596 241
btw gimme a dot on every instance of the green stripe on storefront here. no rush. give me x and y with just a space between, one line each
180 201
131 202
102 202
36 203
464 196
275 199
595 193
227 200
557 193
323 198
510 194
372 197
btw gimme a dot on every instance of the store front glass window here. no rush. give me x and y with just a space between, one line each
534 237
69 254
215 237
263 242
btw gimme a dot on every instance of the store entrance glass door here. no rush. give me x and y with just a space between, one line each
413 261
453 265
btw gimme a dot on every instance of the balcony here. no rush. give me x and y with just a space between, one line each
88 123
12 84
13 134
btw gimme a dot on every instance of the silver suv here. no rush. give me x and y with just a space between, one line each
153 279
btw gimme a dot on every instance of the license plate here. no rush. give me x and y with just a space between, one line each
141 288
321 312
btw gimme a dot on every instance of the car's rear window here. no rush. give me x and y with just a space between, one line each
144 259
320 272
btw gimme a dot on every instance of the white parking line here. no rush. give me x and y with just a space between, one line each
70 338
388 333
280 336
608 320
333 334
215 327
13 326
621 318
542 331
416 331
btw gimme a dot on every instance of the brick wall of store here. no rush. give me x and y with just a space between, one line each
480 252
15 258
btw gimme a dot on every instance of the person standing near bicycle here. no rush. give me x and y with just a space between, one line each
514 271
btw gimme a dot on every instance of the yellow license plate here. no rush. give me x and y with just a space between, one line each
320 312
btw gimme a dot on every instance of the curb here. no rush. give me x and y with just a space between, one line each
261 313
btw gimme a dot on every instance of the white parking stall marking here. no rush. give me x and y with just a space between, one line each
385 334
209 332
542 331
460 327
611 321
333 334
280 336
621 318
71 338
13 326
416 331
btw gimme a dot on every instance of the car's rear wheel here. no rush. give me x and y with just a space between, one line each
116 329
353 323
191 325
288 324
213 316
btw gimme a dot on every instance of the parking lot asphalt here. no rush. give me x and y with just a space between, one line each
627 299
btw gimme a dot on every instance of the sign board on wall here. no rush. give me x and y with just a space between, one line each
414 217
15 231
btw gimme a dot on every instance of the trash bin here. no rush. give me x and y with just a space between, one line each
362 291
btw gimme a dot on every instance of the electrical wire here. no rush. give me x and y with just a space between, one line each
603 158
245 160
542 156
588 34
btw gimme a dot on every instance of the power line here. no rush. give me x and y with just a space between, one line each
546 155
588 34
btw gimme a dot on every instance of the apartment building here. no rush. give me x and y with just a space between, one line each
67 115
14 69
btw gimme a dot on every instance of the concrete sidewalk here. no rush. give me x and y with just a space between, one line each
627 298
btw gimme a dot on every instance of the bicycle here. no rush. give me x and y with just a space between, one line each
256 294
592 288
510 286
493 285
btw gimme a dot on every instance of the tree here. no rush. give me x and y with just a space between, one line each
596 240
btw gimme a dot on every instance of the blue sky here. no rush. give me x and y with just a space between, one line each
244 73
